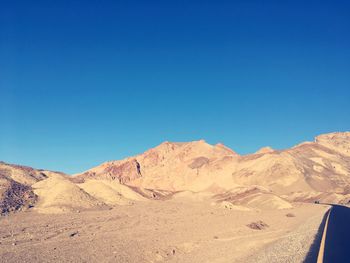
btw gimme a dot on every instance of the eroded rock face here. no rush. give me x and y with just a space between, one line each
15 196
16 191
123 171
126 172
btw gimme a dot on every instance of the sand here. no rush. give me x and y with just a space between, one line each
110 192
57 194
178 230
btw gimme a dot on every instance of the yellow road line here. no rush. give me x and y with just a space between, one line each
323 241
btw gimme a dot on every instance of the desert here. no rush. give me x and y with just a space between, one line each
180 230
177 202
189 131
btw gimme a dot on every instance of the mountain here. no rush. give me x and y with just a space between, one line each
169 166
16 192
23 188
267 179
322 166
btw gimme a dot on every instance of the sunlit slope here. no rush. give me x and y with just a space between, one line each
319 166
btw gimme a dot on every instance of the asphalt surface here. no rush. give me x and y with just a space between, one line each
337 243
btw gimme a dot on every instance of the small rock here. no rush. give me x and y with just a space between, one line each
290 215
259 225
73 234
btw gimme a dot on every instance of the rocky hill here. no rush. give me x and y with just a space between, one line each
319 166
318 170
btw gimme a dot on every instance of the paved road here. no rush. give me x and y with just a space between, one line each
337 241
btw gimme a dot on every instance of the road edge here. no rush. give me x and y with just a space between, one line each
323 240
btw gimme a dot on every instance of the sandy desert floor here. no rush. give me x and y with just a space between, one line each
171 231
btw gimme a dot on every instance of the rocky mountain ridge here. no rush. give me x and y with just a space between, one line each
310 171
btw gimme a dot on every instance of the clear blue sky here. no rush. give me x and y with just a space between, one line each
83 82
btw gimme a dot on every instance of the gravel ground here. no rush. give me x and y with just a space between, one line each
160 231
294 247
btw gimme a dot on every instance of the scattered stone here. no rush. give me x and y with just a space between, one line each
258 225
290 215
73 234
216 237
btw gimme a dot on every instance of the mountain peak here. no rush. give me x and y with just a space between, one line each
266 149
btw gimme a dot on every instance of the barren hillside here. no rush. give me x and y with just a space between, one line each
269 178
322 166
